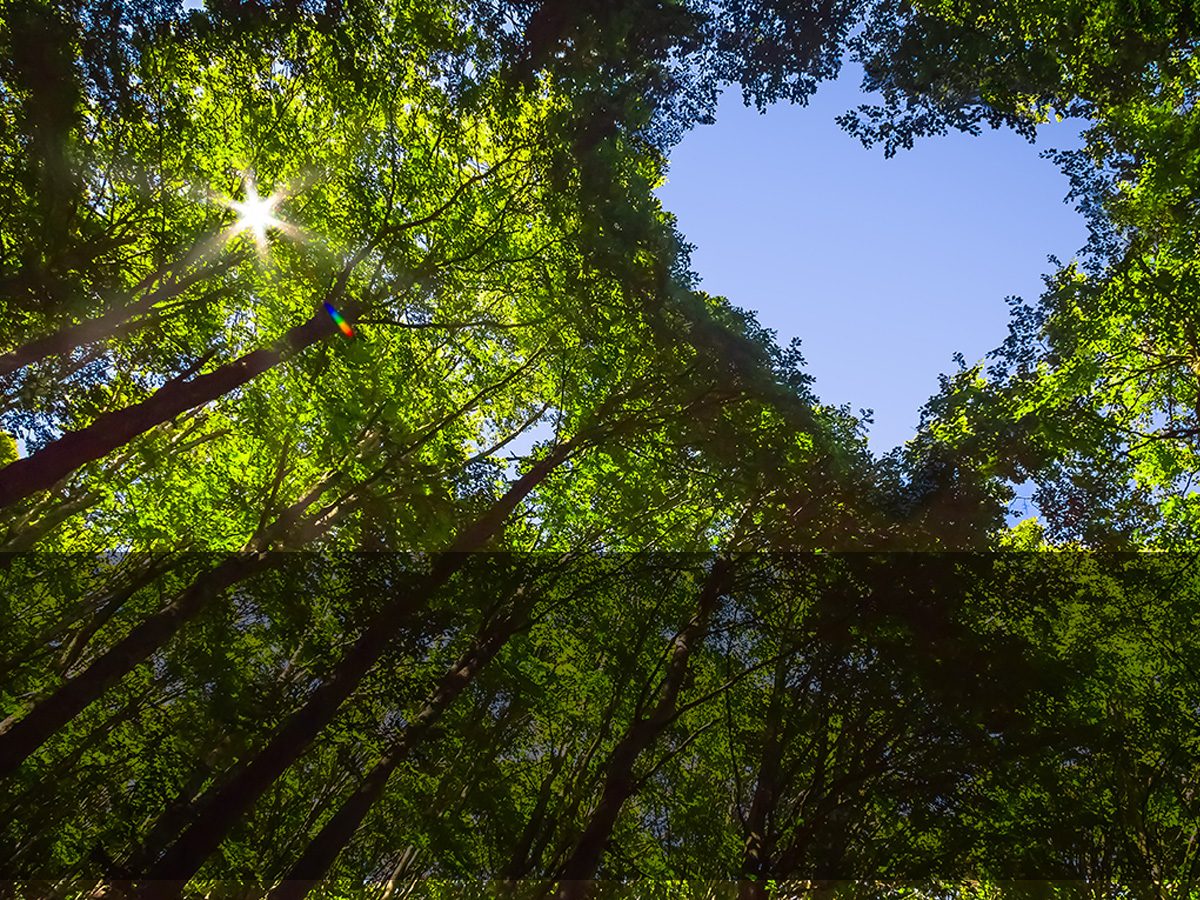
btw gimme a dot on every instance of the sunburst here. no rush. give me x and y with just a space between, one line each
256 215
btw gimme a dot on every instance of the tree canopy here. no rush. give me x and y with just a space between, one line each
385 512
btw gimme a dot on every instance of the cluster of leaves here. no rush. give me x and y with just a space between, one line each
1094 394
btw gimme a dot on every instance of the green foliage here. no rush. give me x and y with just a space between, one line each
535 386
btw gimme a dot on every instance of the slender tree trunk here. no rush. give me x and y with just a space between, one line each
103 327
95 604
177 812
520 863
323 850
183 807
18 741
170 874
406 860
27 537
581 784
755 858
81 639
50 785
21 739
580 868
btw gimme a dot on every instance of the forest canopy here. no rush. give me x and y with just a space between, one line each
385 512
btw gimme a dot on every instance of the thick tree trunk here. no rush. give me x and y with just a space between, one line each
22 738
45 468
323 850
580 868
55 461
169 876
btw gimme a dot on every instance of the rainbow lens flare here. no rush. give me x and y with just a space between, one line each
339 321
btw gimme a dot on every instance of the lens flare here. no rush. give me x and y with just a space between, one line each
339 321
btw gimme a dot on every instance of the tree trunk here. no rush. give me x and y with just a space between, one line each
183 807
24 539
82 638
60 458
323 850
67 339
50 785
180 808
100 606
45 468
170 875
755 858
520 862
580 868
21 739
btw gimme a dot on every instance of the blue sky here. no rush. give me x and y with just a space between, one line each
883 267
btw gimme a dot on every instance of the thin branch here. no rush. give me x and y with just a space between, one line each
695 734
435 326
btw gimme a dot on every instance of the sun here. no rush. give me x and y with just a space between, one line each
256 214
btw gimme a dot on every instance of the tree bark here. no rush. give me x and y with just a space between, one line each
21 739
28 536
50 786
580 868
168 877
99 606
184 805
55 461
176 812
755 857
324 849
520 862
45 468
67 339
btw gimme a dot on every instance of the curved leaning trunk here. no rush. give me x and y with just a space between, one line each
60 458
226 805
574 879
